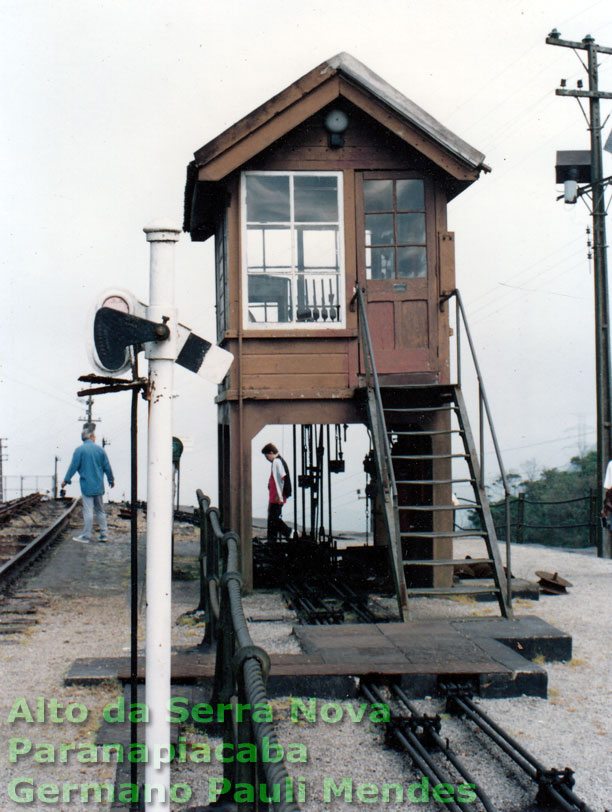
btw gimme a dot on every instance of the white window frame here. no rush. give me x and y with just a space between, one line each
339 323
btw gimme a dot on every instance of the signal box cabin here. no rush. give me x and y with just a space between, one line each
328 208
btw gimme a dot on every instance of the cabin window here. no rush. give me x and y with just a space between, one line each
292 249
395 234
221 277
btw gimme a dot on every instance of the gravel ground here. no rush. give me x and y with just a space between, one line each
572 728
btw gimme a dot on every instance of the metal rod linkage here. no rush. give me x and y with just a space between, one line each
552 783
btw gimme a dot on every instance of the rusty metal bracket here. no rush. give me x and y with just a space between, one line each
109 385
444 297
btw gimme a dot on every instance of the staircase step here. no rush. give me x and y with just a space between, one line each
431 481
440 534
407 405
452 590
426 508
444 562
417 409
428 456
425 433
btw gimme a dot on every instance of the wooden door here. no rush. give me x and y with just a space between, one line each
396 250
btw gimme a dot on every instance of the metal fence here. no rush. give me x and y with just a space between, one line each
524 530
15 485
241 668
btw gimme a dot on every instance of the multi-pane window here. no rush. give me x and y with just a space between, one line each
395 233
293 248
221 276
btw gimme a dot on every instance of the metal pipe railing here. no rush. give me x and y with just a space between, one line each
241 668
384 462
484 411
372 376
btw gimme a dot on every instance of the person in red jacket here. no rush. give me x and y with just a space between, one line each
279 488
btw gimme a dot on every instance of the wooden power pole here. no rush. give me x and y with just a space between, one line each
600 260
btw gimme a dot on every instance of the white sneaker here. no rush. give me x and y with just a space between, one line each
82 539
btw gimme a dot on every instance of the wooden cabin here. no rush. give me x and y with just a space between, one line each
339 181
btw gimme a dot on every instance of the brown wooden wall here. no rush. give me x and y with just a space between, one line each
315 362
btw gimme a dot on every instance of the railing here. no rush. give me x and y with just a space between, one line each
484 420
520 525
384 462
372 380
28 483
241 668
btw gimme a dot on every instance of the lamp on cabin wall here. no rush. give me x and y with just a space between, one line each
336 122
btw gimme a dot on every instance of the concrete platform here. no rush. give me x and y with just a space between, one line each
492 654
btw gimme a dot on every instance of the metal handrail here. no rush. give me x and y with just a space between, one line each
483 411
372 376
241 667
384 460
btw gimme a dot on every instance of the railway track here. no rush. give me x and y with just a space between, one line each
424 739
420 735
28 528
305 598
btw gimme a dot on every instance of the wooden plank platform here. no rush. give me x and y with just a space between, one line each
417 654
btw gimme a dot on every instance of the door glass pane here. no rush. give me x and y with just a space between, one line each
410 195
412 262
380 263
267 198
316 199
411 228
378 195
379 229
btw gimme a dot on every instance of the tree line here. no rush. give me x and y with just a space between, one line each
556 508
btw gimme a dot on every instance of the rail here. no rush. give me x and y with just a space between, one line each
241 668
485 419
10 569
384 463
8 510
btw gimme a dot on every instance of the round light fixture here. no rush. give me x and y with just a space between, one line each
336 121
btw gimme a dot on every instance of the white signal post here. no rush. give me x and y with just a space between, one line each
162 235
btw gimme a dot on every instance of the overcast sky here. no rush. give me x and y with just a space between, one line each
104 104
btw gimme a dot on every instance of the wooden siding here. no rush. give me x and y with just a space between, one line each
346 78
305 368
367 145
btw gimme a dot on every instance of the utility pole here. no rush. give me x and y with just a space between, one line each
2 460
55 477
89 417
600 264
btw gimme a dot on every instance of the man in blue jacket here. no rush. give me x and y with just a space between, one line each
91 463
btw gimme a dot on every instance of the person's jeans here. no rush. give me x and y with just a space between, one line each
91 504
276 526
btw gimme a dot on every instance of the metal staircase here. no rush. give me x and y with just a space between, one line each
420 433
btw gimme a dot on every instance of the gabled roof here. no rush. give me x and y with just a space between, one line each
342 75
